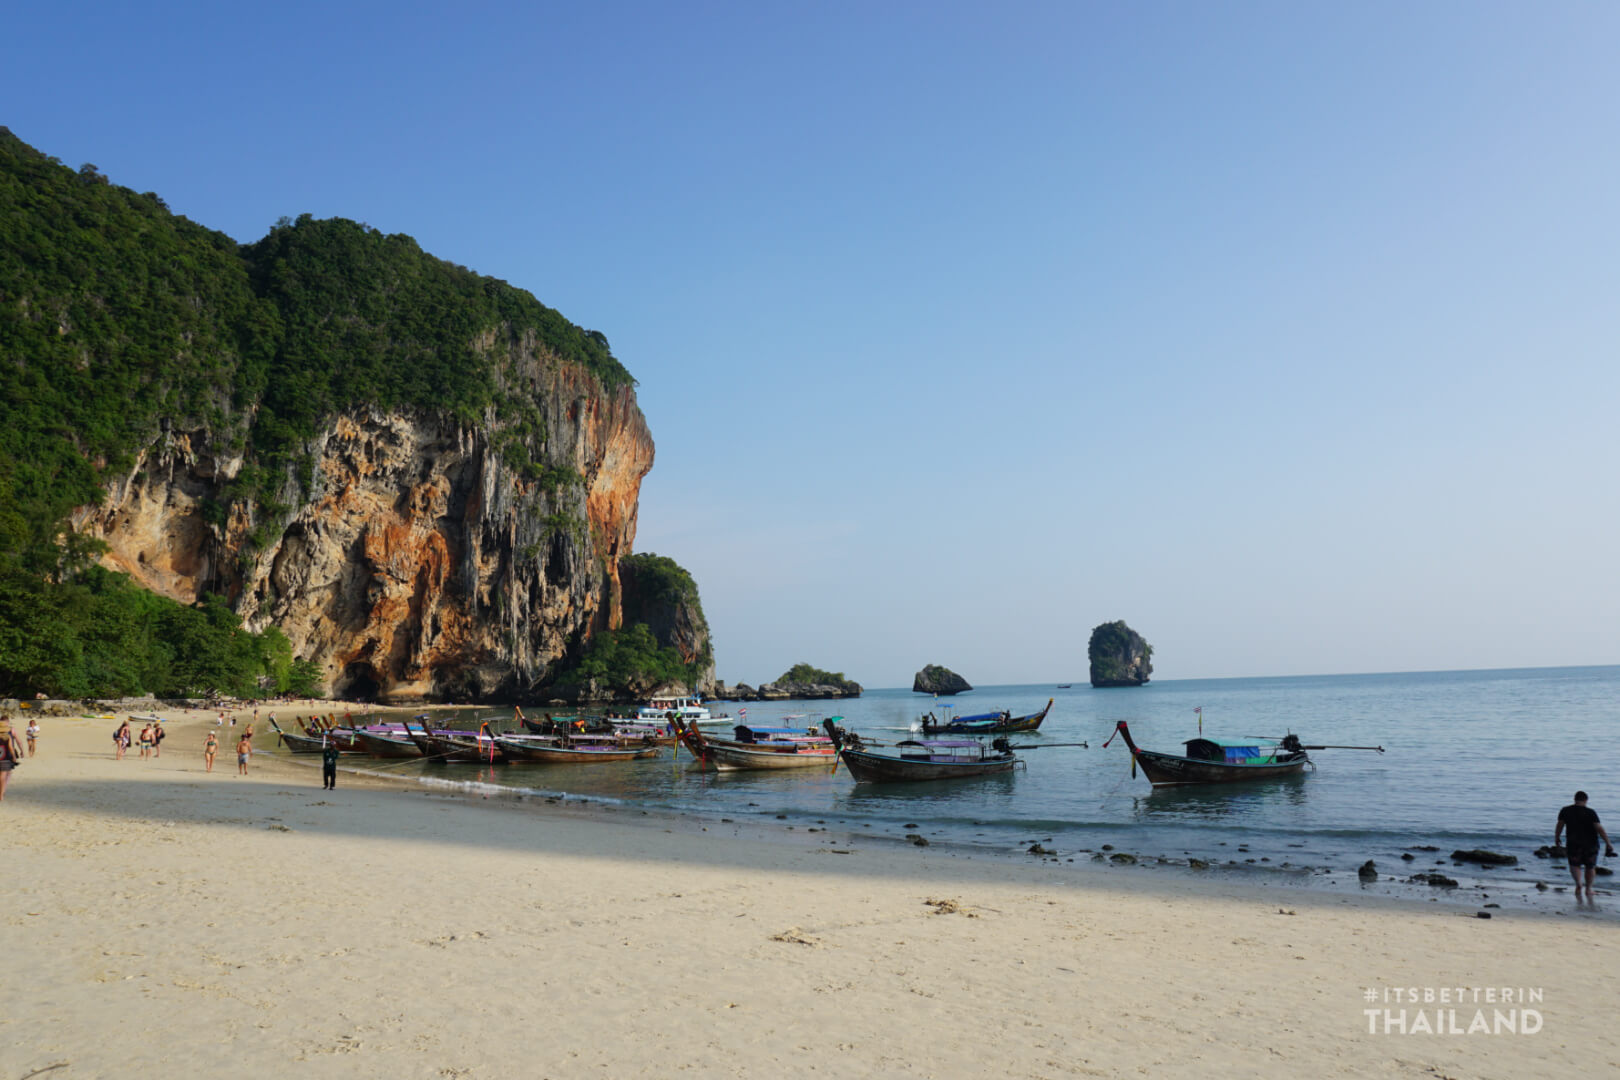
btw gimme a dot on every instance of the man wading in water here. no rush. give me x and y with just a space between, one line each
1584 830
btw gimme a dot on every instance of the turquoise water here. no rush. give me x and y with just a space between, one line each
1473 759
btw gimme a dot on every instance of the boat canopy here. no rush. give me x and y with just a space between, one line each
1221 750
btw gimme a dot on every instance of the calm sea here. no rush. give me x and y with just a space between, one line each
1474 759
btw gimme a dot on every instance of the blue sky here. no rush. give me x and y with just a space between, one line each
1285 332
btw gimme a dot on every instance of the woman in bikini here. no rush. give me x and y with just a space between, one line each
210 748
10 753
121 739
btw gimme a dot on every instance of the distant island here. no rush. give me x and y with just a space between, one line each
934 679
799 682
1119 656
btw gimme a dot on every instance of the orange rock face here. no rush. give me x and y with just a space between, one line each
419 563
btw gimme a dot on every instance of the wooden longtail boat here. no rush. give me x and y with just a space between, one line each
571 750
758 747
298 744
1001 723
626 731
731 758
1213 761
923 759
343 737
468 747
385 744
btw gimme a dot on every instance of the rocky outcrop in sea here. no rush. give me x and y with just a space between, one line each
933 679
1119 656
785 691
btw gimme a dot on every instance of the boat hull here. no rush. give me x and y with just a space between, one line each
882 768
736 759
563 755
385 746
1009 726
300 744
1166 770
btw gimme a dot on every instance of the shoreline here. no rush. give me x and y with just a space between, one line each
293 927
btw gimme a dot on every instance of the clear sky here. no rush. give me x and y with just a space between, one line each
1288 333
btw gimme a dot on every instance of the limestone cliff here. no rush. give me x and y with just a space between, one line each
405 552
1119 656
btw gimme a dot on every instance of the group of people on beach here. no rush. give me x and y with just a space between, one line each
151 744
150 739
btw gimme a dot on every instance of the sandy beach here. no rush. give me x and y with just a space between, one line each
162 921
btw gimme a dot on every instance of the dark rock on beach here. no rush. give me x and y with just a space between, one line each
933 679
1438 880
1552 851
1484 858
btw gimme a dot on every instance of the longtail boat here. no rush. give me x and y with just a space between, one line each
728 757
923 759
385 744
317 728
298 744
1221 761
571 749
471 747
627 731
758 747
996 723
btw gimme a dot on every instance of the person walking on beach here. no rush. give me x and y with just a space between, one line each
146 741
210 748
329 760
121 739
1584 830
244 749
157 739
10 753
33 734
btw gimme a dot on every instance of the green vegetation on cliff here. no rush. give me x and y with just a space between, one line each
120 320
665 638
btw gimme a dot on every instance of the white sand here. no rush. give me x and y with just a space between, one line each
163 922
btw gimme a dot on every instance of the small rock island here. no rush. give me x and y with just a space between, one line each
933 679
1119 656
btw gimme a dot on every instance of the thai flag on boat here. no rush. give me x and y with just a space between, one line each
742 714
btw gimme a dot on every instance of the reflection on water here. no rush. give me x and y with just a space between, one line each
1257 800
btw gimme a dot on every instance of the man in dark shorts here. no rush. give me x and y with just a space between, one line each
329 760
1584 830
